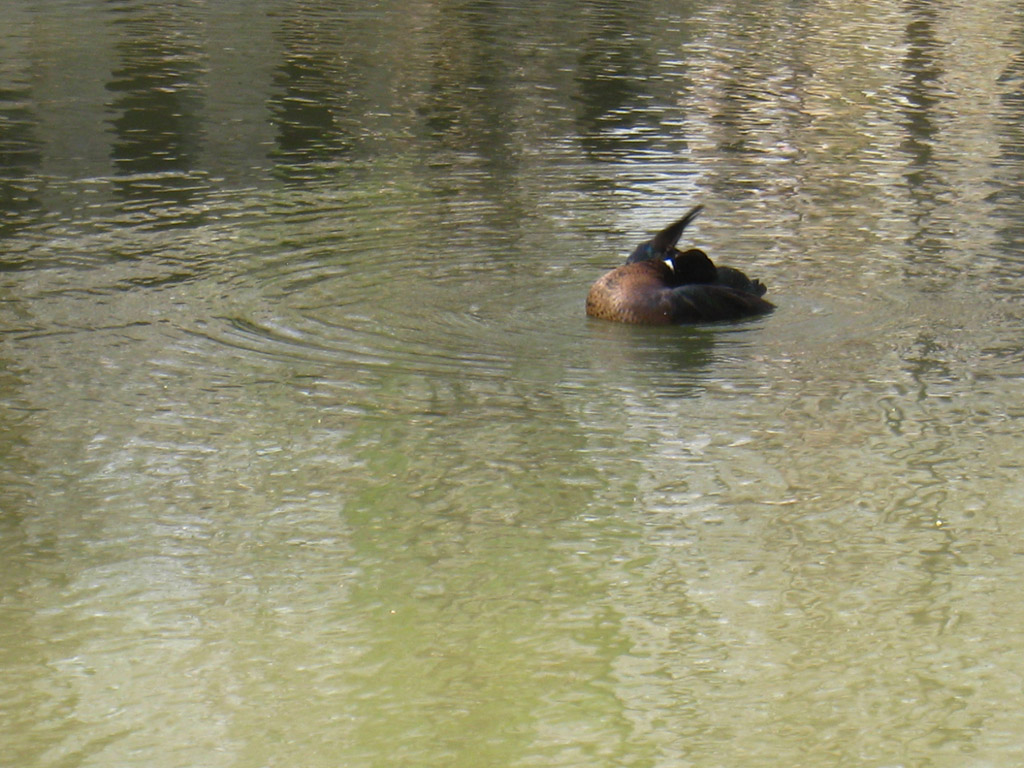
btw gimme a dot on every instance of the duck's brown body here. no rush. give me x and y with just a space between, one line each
660 285
633 293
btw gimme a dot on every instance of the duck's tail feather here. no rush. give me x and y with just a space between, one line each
662 243
669 236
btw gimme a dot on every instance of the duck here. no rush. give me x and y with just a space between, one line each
661 285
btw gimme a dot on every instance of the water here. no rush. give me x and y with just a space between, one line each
311 457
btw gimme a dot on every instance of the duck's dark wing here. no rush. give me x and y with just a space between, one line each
733 278
710 303
662 243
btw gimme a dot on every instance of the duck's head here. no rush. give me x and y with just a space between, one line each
691 267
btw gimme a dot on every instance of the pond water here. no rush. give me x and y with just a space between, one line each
310 456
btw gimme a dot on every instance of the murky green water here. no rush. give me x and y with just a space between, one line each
310 457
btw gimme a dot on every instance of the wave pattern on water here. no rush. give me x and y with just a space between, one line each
301 406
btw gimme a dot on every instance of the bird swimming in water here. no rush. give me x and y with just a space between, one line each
661 285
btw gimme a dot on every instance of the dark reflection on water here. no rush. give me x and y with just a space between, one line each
1007 195
156 102
309 453
318 110
922 91
925 179
615 70
20 153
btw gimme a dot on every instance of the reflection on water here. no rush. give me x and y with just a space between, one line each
310 455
